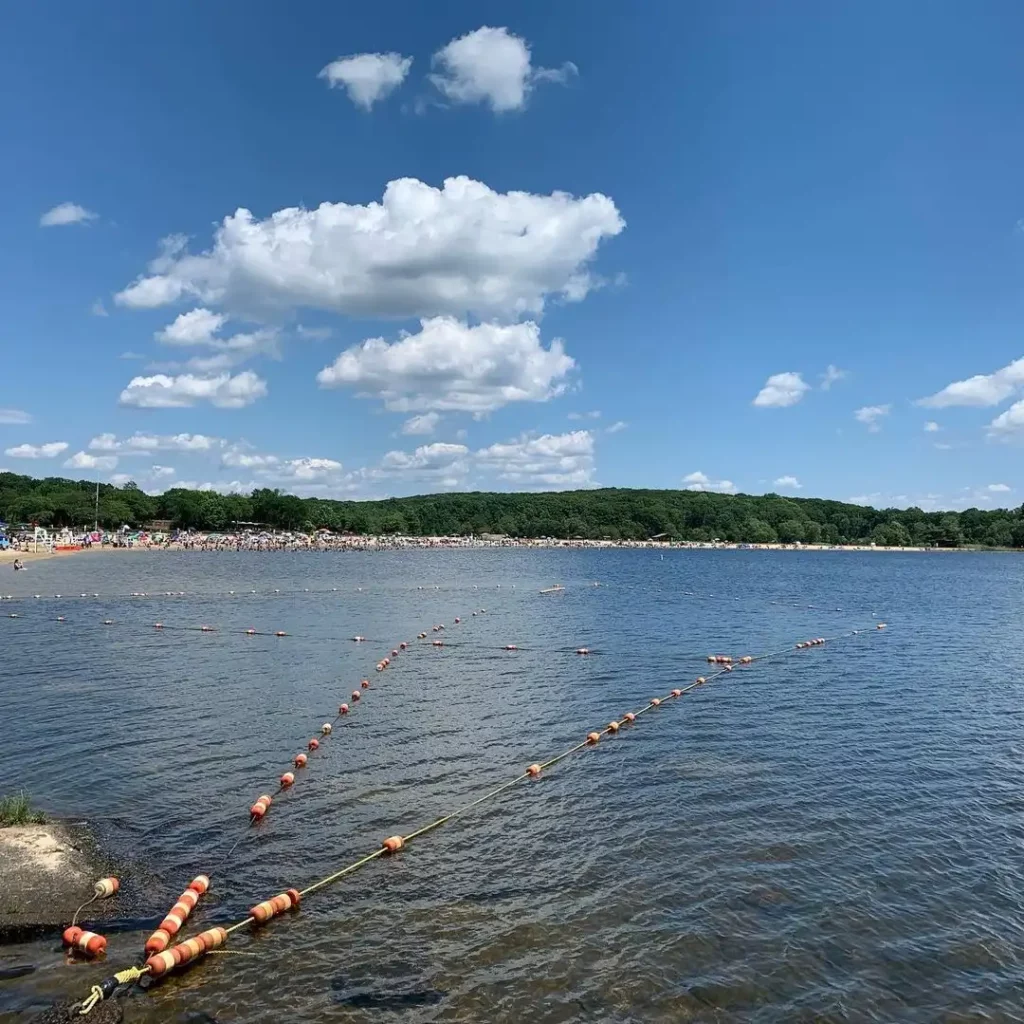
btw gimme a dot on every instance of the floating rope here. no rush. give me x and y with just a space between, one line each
213 938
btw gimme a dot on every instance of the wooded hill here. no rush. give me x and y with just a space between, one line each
609 513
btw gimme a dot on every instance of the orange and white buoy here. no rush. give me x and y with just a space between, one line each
83 941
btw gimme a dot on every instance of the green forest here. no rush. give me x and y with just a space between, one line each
610 513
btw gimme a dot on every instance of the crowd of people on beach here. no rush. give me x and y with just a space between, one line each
258 540
326 541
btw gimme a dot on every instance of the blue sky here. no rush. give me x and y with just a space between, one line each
358 251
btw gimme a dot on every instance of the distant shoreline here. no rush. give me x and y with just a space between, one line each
402 543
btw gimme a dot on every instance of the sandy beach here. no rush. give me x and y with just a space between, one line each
38 556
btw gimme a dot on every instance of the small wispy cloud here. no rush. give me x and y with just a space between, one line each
787 483
594 414
699 481
64 214
616 427
314 333
931 427
830 376
870 415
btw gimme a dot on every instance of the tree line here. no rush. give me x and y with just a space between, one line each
609 513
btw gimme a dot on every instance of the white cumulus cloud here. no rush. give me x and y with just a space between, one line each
423 424
931 427
275 469
197 327
450 366
307 470
219 487
781 390
440 463
550 460
161 472
367 77
787 483
999 488
492 66
980 390
64 214
239 457
50 450
14 417
1008 424
146 444
83 460
421 251
161 391
699 481
870 415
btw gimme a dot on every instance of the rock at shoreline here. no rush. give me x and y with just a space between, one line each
46 872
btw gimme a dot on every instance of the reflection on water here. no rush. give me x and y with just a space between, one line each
835 836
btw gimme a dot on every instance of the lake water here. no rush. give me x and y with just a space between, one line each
835 835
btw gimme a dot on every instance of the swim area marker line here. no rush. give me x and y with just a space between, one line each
213 938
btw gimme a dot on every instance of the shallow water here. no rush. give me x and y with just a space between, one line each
836 835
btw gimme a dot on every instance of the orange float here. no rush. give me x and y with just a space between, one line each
185 951
263 912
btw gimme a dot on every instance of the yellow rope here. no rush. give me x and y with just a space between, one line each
94 997
125 977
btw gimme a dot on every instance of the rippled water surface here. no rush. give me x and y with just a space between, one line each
835 835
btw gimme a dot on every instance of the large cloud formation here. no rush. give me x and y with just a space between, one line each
421 251
450 366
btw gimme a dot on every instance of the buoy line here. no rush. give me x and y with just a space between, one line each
91 944
217 594
183 953
260 807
